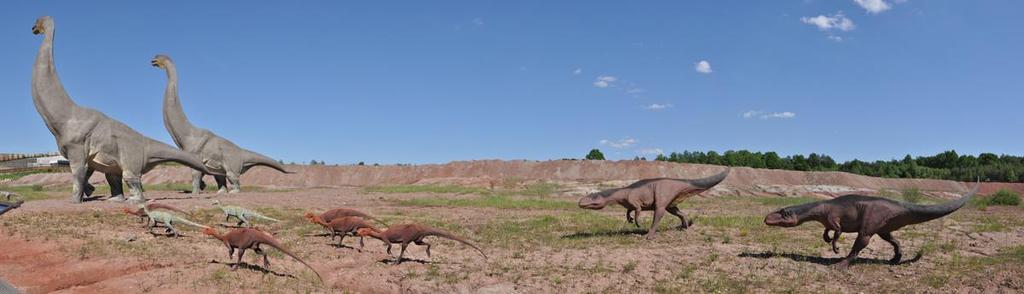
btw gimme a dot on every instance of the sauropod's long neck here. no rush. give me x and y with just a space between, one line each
48 94
174 116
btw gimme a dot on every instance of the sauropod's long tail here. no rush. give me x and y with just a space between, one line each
445 234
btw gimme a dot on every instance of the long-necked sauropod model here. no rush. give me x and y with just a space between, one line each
864 215
90 140
660 195
218 154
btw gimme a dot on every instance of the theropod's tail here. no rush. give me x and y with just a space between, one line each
267 239
445 234
188 222
258 215
923 213
251 159
708 182
159 152
153 206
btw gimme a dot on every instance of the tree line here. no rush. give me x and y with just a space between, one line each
947 165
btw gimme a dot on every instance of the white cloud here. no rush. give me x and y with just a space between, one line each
703 67
478 21
836 21
784 114
651 151
577 71
873 6
768 115
605 81
835 38
619 144
657 106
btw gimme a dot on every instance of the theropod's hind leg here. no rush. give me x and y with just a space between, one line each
629 216
682 218
897 253
658 213
862 241
222 184
241 251
401 255
422 243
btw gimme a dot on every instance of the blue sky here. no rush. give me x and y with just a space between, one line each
428 82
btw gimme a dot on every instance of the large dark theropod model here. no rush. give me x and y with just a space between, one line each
864 215
660 195
90 140
218 154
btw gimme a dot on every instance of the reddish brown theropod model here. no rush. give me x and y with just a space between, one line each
332 214
660 195
245 238
411 233
345 226
864 215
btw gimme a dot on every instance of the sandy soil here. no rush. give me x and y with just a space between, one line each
53 245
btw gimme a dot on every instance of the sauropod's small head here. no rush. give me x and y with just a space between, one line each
43 24
160 61
782 218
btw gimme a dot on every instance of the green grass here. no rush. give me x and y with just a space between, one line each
20 174
912 195
439 189
784 201
1003 197
539 189
503 202
30 193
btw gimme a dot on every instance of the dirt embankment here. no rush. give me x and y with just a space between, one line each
496 172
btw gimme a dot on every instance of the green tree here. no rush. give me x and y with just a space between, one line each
595 155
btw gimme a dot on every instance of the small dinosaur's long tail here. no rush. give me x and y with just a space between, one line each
188 222
256 214
153 206
923 213
367 216
266 239
445 234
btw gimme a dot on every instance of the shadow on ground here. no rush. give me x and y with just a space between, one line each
252 267
824 260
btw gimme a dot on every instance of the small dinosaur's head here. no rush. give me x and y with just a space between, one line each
127 210
209 231
161 61
312 217
43 24
595 200
784 217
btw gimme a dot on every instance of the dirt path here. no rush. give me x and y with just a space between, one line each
52 245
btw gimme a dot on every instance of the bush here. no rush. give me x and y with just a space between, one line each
595 155
1003 197
912 195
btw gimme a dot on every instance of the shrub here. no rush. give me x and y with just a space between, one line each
1003 197
912 195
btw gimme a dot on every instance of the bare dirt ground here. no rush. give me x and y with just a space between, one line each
537 243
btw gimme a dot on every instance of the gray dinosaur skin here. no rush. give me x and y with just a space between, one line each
660 195
90 140
217 153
